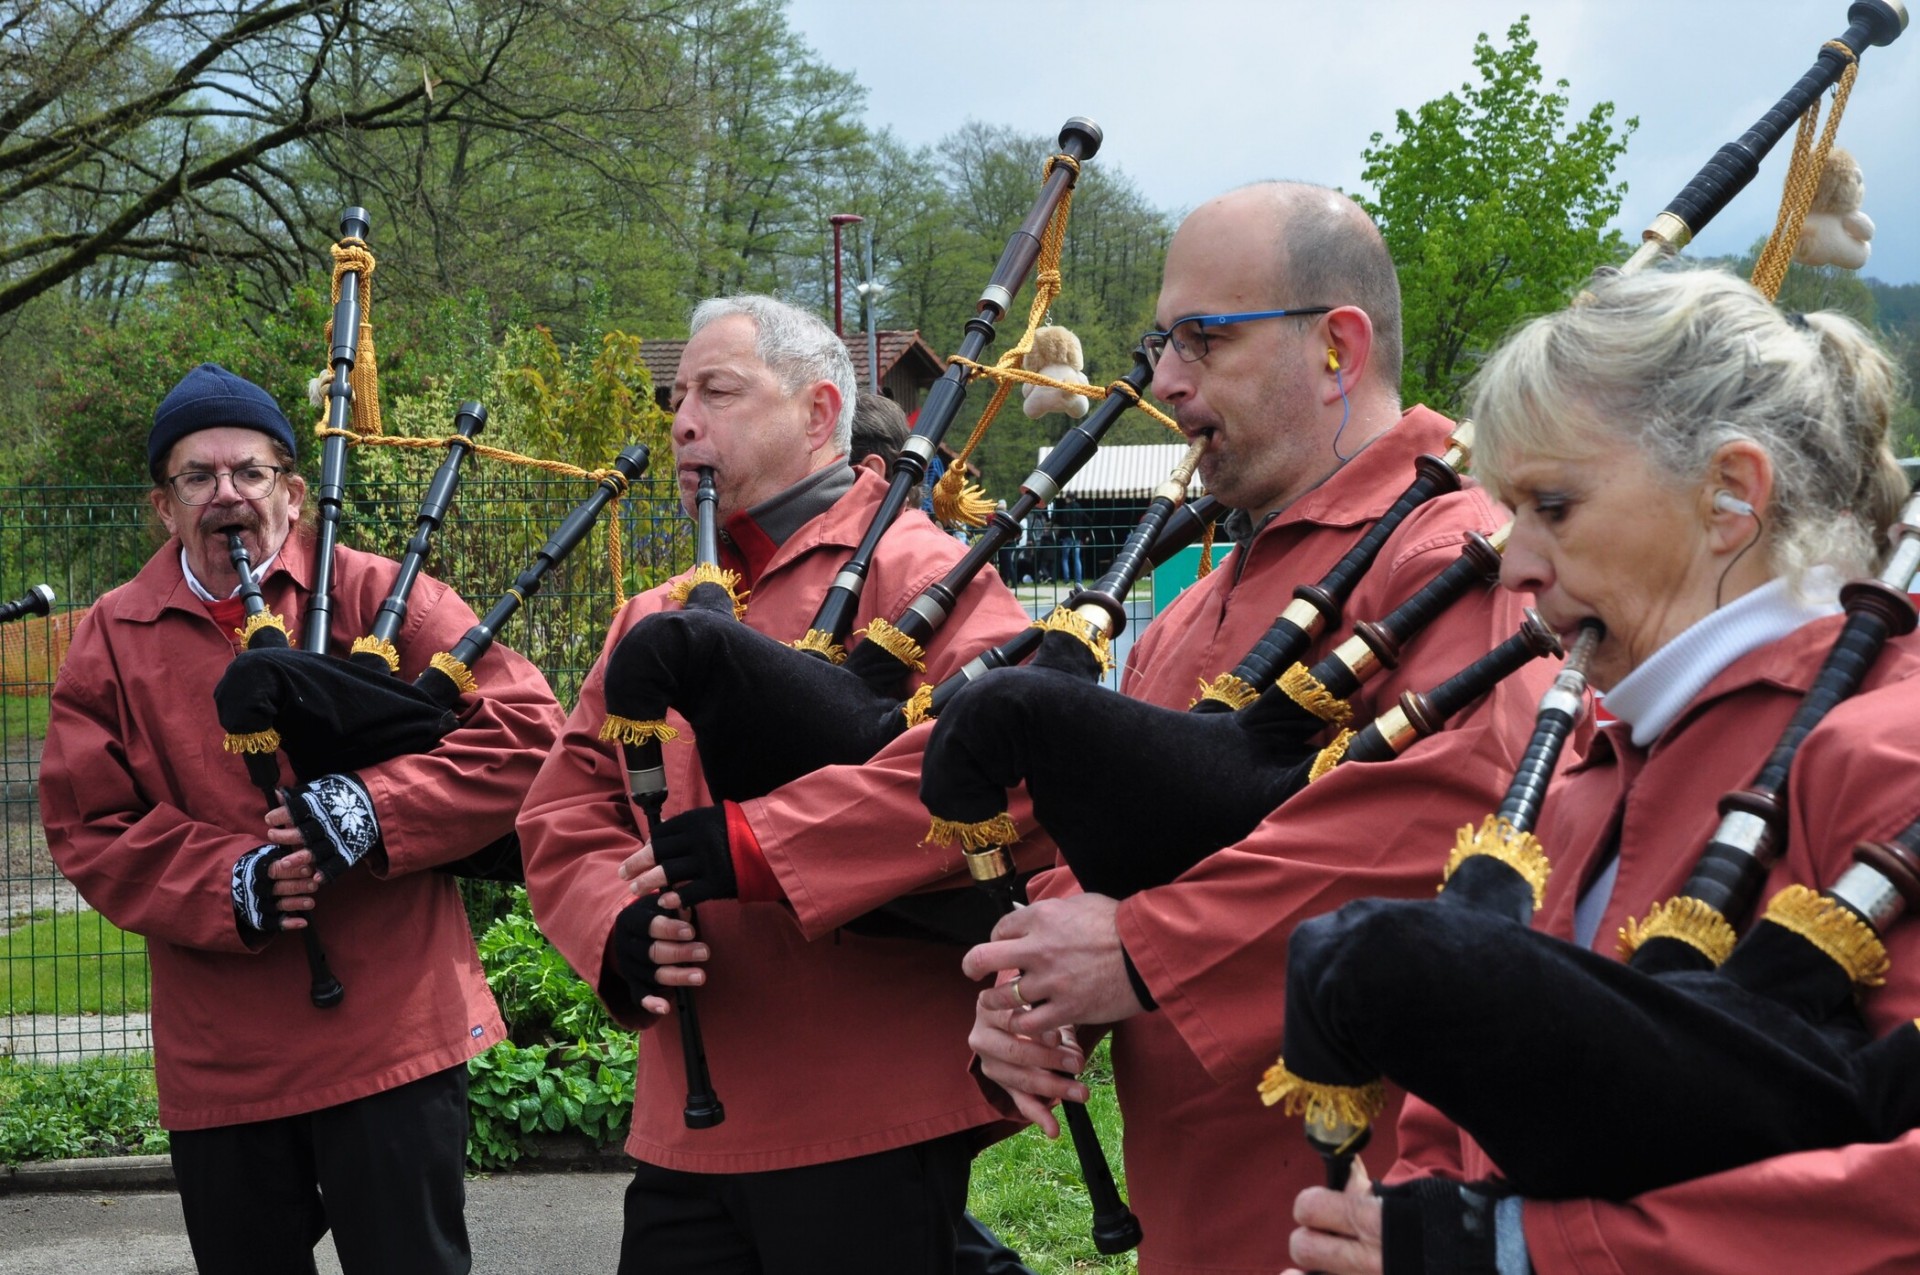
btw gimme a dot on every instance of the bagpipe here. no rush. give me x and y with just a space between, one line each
1583 1076
331 715
716 673
36 601
1699 1053
1050 725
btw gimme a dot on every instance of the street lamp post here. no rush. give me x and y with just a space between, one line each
870 291
837 220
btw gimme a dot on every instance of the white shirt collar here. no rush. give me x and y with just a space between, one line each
1649 698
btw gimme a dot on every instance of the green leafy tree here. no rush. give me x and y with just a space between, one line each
1494 206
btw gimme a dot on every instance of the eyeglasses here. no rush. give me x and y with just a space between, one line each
250 482
1188 337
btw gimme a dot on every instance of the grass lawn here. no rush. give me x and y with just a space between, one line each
73 963
22 717
1029 1189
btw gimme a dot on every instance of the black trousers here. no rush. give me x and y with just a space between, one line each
387 1174
892 1213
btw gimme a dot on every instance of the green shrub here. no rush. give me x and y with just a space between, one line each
102 1106
566 1065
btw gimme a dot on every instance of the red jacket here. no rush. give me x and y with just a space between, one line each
1836 1211
1210 1171
823 1045
146 815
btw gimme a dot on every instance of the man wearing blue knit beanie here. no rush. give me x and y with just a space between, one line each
288 1121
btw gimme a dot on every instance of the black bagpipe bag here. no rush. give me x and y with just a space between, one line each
332 715
1579 1075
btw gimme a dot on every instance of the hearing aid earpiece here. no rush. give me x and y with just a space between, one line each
1728 503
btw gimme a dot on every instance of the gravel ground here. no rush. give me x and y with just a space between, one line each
49 1039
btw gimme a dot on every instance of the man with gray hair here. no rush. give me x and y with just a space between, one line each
842 1149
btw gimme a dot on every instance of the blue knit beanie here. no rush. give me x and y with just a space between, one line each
209 397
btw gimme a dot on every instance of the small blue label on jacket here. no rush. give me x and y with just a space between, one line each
478 1032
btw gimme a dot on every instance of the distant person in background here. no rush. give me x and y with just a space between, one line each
1066 536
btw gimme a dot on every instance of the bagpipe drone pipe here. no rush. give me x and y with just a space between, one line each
1714 1052
36 601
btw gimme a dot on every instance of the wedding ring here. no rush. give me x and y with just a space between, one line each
1018 995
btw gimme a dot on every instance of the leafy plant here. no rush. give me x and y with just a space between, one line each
566 1066
103 1106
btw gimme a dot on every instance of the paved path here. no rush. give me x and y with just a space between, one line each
552 1223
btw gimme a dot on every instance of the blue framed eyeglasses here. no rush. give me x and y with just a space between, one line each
1188 337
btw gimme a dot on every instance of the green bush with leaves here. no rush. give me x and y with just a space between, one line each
565 1067
101 1106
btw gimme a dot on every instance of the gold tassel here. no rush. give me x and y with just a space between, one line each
259 741
1330 756
821 644
1353 1105
897 644
1075 625
1304 689
1229 690
997 831
708 573
625 730
1498 839
1846 940
380 647
919 707
1688 920
257 621
456 672
956 501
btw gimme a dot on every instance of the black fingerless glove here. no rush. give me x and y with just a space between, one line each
1434 1226
254 910
632 940
693 850
335 816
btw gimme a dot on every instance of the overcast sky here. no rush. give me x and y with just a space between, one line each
1196 96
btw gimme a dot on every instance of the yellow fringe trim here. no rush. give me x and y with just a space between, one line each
1330 756
1497 838
1688 920
997 831
1075 625
919 706
456 672
821 644
897 644
708 573
1304 689
956 501
1847 941
256 622
625 730
1353 1105
380 647
259 741
1226 689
